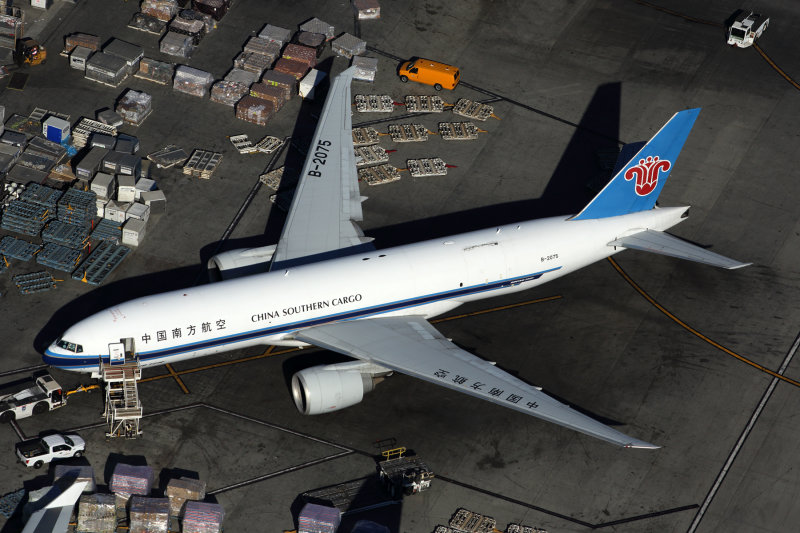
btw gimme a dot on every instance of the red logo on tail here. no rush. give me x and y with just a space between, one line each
646 174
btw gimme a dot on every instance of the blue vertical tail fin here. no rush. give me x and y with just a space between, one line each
637 185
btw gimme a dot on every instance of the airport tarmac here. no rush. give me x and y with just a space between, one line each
566 80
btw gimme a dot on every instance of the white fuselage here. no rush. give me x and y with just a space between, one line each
425 279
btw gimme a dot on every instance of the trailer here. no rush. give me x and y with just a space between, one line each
44 394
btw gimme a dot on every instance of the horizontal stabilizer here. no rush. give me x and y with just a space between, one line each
662 243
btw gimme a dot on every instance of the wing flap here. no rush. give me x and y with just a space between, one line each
411 345
662 243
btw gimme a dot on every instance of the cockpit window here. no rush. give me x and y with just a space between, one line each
69 346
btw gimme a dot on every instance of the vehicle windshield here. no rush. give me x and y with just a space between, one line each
69 346
411 65
68 441
736 32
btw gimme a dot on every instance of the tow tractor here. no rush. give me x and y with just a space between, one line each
44 394
746 28
30 52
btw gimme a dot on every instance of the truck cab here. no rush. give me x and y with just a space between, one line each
44 394
440 75
746 28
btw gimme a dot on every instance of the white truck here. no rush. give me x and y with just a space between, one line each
37 452
44 394
746 28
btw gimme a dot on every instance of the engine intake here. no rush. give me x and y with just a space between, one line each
326 388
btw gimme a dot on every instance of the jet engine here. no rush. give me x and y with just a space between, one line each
326 388
241 262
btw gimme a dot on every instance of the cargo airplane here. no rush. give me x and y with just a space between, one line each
325 284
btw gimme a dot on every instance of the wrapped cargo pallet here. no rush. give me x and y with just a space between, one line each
149 515
160 9
129 479
215 8
275 34
347 45
255 110
292 67
315 25
268 92
176 44
92 42
196 29
134 106
252 62
312 40
228 92
192 81
97 513
242 76
366 68
155 71
298 52
318 519
286 82
367 9
179 491
201 517
76 473
106 69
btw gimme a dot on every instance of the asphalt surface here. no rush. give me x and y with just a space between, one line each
566 80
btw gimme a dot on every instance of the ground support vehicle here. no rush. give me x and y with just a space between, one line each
440 75
37 452
44 394
746 28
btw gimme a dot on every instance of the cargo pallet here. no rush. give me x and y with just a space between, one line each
23 217
365 136
424 104
268 144
169 156
69 235
408 133
100 263
469 522
378 175
242 143
35 282
41 195
59 257
127 120
470 109
202 164
423 168
18 248
85 127
77 207
272 179
371 155
108 230
374 103
458 131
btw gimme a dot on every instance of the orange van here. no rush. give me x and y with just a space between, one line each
440 75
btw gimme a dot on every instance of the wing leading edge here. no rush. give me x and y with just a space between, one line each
327 203
411 345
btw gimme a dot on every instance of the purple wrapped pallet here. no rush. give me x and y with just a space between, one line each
201 517
129 479
318 519
149 515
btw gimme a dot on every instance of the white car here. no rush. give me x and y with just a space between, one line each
37 452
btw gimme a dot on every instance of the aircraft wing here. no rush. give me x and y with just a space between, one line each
411 345
327 203
663 243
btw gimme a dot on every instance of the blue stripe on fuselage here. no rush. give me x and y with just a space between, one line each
91 362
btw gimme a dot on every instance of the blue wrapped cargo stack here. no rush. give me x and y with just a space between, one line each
56 129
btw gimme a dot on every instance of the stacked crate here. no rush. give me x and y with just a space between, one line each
285 82
228 92
179 491
271 93
318 519
275 34
347 45
155 71
163 10
255 110
316 25
128 480
177 44
96 513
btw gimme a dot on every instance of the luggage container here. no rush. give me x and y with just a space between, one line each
130 53
155 71
86 40
347 45
132 234
316 25
55 129
90 163
115 211
126 188
79 56
192 81
310 82
155 200
107 69
144 185
103 185
176 44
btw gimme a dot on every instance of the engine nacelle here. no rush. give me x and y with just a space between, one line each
326 388
241 262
